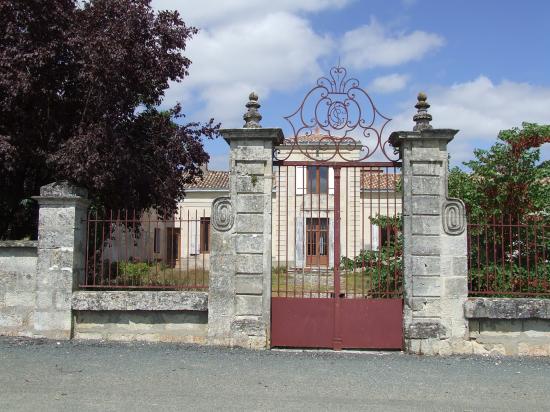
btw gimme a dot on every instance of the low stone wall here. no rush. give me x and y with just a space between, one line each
509 326
149 326
17 287
163 316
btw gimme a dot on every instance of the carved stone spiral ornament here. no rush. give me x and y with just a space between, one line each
454 217
222 214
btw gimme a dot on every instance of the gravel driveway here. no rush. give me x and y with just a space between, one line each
79 376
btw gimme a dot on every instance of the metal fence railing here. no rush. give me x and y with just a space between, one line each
140 250
508 256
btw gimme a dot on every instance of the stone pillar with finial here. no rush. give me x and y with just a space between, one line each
435 249
240 262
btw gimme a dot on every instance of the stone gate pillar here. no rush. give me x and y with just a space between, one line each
435 249
240 259
60 256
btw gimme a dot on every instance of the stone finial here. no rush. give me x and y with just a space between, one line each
252 117
422 117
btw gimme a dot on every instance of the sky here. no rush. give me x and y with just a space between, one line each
485 65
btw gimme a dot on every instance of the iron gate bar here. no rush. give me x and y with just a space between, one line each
344 130
336 164
337 337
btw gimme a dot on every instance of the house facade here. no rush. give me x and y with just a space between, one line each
302 206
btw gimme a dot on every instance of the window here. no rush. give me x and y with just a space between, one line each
156 246
205 235
388 235
317 179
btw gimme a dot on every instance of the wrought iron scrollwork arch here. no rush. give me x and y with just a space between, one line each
338 115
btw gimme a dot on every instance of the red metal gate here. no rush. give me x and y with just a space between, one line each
337 244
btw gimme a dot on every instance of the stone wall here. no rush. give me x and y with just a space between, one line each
509 326
17 287
140 325
163 316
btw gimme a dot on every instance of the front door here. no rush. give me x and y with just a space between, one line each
317 242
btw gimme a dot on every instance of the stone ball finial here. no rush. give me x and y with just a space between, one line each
422 118
252 117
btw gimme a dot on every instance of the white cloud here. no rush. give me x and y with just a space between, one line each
231 60
373 45
201 12
480 109
390 83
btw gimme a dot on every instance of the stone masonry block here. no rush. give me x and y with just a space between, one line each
426 225
20 299
248 305
249 153
454 266
249 284
54 320
250 203
249 168
426 185
249 243
426 205
249 263
250 223
250 184
248 325
425 330
420 168
425 265
63 189
455 245
63 300
426 286
426 307
26 281
455 287
10 318
425 245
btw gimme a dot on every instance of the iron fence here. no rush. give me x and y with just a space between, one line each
508 256
316 257
141 250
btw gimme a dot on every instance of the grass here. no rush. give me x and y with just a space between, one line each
321 284
143 276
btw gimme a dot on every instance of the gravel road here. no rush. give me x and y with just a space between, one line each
83 376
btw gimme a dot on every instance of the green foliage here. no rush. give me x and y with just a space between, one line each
510 279
507 196
507 179
134 271
383 268
80 83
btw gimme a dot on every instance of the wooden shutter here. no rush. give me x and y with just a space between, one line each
300 179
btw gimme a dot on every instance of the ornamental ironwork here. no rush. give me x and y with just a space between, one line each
337 120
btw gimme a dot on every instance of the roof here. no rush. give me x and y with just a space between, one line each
317 137
370 180
210 180
379 181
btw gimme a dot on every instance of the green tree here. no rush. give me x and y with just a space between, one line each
508 179
79 85
507 196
